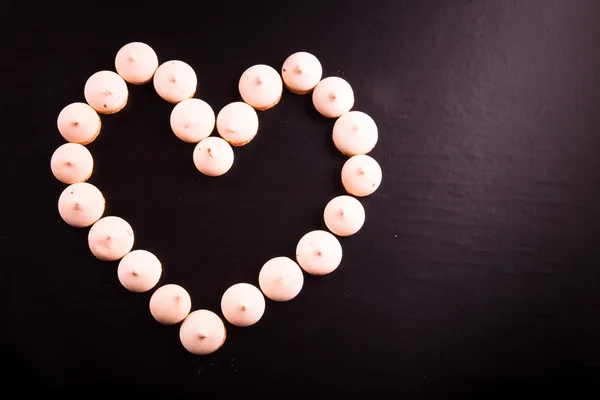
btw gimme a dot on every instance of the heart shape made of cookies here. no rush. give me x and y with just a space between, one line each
111 238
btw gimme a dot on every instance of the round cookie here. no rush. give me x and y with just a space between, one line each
361 175
319 252
261 87
110 238
139 271
213 156
170 304
79 123
237 123
333 97
136 63
355 133
175 81
81 204
106 92
202 332
243 304
344 215
71 163
280 279
301 72
192 120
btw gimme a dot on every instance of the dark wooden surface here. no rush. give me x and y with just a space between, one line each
477 272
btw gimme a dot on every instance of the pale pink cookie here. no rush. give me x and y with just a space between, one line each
213 156
261 87
136 62
361 175
319 252
79 123
110 238
170 304
355 133
333 97
237 123
301 72
72 163
202 332
175 81
344 215
81 204
139 271
243 304
192 120
280 279
106 92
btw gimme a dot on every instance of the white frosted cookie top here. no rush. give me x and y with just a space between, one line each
237 123
261 86
333 97
139 271
175 81
301 72
344 215
361 175
81 204
110 238
192 120
355 133
170 304
202 332
136 62
78 123
72 163
281 279
243 304
213 156
106 92
319 252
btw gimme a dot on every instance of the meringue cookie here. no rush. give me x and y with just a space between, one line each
333 97
361 175
170 304
280 279
136 63
319 252
301 72
192 120
243 304
237 123
354 133
175 81
72 163
139 271
261 87
110 238
81 204
106 92
79 123
213 156
202 332
344 215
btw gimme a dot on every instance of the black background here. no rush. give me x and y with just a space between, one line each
477 272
